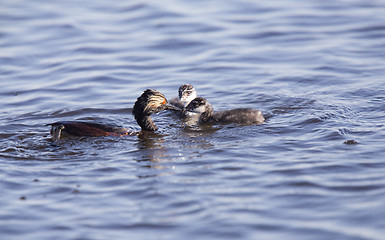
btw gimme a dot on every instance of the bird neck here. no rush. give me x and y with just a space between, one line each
146 123
207 115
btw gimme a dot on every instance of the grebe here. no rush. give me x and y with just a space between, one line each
239 115
151 101
186 94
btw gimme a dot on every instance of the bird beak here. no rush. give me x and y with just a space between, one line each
169 106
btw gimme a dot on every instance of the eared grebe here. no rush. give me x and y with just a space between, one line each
151 101
186 94
239 115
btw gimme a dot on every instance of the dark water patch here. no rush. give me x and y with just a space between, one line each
130 7
351 142
172 44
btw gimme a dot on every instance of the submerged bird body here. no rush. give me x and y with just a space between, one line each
239 115
151 101
86 129
186 94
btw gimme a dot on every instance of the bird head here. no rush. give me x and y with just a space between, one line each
199 105
187 93
151 101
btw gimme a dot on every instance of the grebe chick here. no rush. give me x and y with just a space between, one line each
239 115
151 101
186 94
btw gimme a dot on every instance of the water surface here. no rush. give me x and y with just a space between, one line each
314 170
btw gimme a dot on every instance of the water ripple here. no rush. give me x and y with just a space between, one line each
313 170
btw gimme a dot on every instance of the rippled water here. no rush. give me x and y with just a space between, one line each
314 170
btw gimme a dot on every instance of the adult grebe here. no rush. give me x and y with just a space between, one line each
151 101
239 115
186 94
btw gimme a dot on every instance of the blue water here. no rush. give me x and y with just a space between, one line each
314 170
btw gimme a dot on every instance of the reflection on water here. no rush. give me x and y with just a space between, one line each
313 170
152 150
155 151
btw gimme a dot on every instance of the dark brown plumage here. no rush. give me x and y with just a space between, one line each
151 101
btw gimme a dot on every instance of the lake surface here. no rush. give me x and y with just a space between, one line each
314 170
